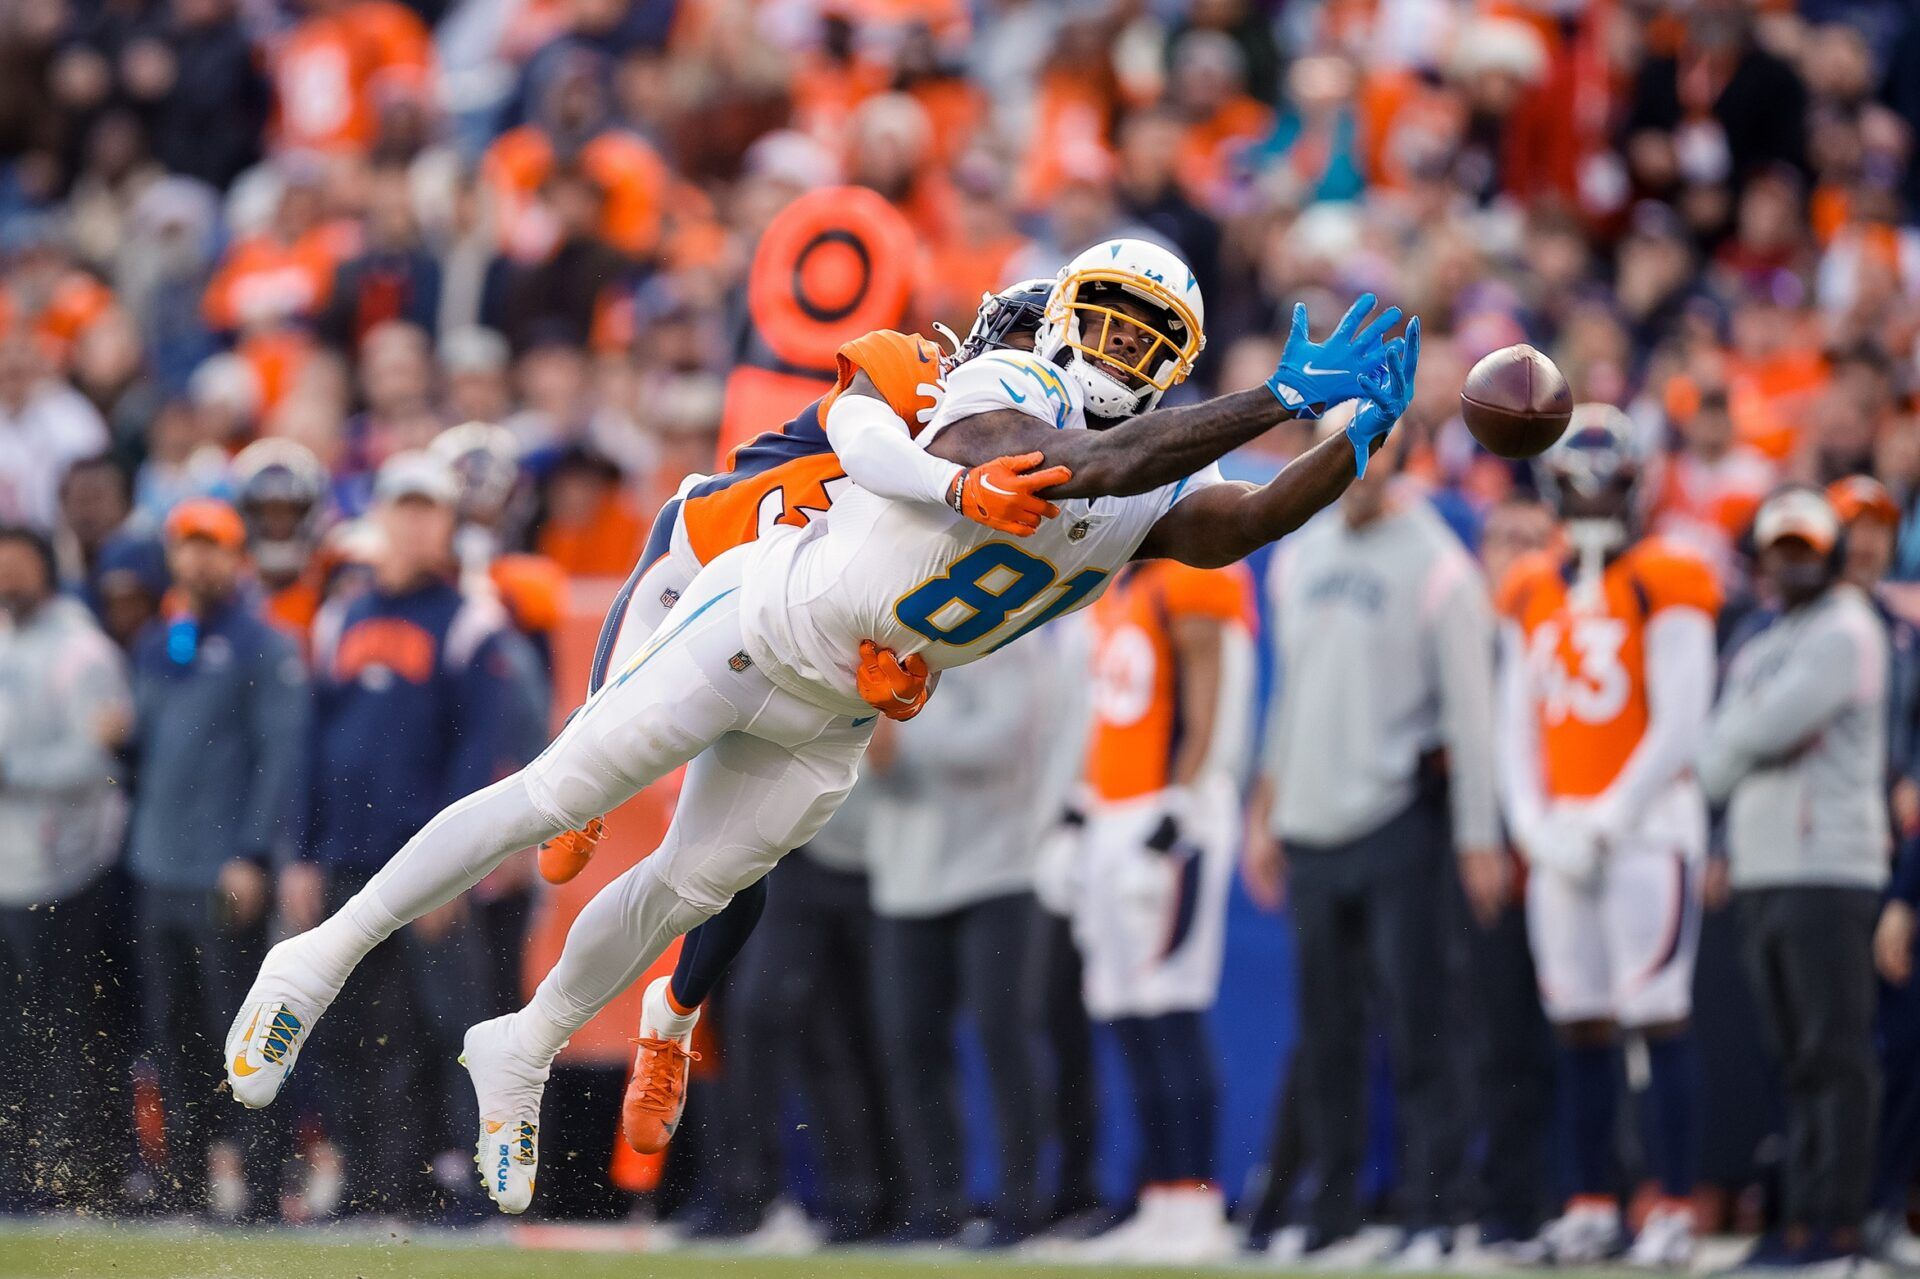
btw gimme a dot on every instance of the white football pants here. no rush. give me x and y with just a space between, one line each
766 769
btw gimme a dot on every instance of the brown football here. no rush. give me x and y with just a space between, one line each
1516 402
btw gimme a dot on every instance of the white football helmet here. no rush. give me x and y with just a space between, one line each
1079 320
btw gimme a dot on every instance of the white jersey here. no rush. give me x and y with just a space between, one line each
922 579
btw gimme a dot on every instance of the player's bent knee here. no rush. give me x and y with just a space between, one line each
706 875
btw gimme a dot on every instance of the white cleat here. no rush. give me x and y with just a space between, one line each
274 1023
1422 1252
1588 1233
1666 1239
508 1086
1174 1226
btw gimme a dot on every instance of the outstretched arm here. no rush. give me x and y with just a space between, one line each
1227 522
1166 445
1137 456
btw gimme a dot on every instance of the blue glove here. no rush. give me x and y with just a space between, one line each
1314 376
1389 391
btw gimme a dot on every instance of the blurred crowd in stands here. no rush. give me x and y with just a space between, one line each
342 341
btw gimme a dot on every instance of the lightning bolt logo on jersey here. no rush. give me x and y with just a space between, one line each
919 579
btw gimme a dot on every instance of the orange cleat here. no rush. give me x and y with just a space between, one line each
567 854
657 1092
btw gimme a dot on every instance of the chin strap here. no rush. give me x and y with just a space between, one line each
1593 540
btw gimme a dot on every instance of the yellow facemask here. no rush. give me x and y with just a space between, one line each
1095 324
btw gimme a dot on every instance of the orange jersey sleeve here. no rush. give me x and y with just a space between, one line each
903 367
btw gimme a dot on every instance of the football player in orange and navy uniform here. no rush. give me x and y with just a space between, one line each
1172 692
1607 682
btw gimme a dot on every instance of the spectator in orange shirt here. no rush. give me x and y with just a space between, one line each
572 130
891 150
283 274
830 82
591 528
1712 484
1775 371
1208 89
952 102
979 256
1074 111
331 70
46 291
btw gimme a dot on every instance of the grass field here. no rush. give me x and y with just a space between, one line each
100 1252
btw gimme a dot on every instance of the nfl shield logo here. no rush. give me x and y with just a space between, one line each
740 661
1078 531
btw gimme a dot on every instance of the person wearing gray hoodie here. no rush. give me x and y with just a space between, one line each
1797 754
64 709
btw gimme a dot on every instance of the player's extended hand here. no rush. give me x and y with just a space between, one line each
1001 494
895 688
1314 376
1389 391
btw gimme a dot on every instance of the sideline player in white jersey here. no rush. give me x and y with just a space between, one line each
752 683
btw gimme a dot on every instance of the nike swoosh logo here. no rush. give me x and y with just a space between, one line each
240 1065
991 487
1308 369
1017 397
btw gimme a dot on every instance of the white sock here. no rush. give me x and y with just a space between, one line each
626 926
657 1015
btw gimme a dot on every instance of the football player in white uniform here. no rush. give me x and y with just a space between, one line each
752 683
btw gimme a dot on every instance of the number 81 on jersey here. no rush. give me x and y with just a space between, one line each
982 589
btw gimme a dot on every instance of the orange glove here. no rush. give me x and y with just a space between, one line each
1001 494
567 854
895 688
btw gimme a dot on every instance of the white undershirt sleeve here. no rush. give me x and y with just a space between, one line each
1516 742
873 444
